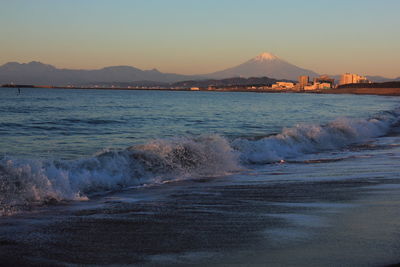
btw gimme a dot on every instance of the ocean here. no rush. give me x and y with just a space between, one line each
129 177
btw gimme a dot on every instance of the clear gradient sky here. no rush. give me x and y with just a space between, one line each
201 36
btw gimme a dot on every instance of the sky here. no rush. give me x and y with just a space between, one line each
202 36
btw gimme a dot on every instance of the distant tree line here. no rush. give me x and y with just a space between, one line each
371 85
18 85
230 82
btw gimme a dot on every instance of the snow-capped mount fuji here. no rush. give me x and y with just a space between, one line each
265 64
265 56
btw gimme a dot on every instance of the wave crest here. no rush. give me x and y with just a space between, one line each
310 138
24 183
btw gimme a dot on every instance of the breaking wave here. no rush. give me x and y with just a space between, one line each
24 183
310 138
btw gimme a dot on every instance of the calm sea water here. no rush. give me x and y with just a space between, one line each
163 177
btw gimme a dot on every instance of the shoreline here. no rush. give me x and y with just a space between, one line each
355 91
338 220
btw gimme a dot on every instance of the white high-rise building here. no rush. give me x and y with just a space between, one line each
352 78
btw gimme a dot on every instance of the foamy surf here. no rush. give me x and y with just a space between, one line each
25 183
30 182
310 138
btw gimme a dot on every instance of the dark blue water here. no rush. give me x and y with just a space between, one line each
70 124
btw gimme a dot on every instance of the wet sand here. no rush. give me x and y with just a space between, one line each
209 222
364 233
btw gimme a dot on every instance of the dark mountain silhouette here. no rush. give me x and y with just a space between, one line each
39 73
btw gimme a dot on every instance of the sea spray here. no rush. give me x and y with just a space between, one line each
310 138
28 182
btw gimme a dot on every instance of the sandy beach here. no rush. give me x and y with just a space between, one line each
207 222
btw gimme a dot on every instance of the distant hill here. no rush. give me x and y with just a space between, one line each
43 74
380 79
229 82
265 64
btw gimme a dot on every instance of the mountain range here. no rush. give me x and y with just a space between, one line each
263 65
42 74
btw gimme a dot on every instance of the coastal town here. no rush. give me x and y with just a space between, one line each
347 84
303 84
320 83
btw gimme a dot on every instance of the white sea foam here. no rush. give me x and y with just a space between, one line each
24 183
310 138
27 182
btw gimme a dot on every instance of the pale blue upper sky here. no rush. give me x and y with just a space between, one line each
192 37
